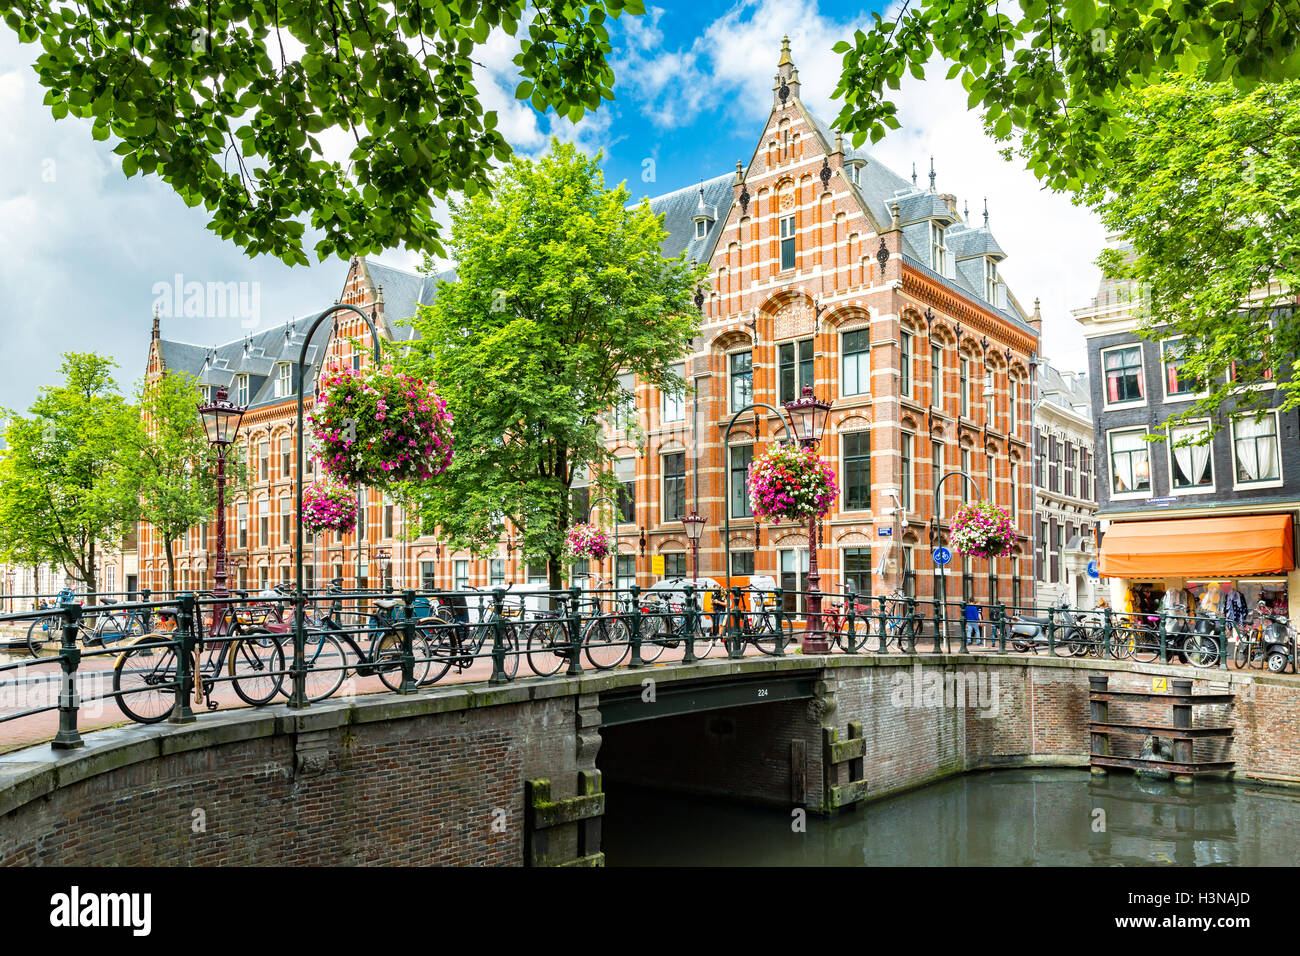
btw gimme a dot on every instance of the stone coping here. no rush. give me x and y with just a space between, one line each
32 772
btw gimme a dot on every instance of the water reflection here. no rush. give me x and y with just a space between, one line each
1003 818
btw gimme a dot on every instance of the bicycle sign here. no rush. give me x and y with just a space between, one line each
942 556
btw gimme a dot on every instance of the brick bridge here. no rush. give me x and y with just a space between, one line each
515 774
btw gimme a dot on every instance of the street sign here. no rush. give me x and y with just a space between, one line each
942 556
1161 502
885 532
1092 570
657 564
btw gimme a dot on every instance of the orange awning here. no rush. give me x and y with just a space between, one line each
1185 547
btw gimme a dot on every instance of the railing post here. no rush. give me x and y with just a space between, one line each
909 611
735 646
635 659
849 621
688 609
940 625
1051 631
182 713
575 632
882 628
408 643
498 637
1107 632
1000 628
69 658
779 611
298 672
1221 626
147 613
1164 637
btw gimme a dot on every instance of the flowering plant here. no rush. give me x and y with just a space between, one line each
588 541
329 507
791 484
380 427
982 530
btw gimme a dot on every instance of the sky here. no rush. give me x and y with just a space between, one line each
86 254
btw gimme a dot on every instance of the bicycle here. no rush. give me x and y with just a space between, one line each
753 621
48 630
664 624
835 621
112 625
606 639
146 673
458 644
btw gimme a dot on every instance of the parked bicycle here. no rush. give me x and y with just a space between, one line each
459 644
48 629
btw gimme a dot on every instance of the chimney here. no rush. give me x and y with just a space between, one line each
951 202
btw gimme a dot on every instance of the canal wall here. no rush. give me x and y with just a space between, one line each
452 776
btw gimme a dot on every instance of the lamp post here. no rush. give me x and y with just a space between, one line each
808 417
694 524
221 420
384 560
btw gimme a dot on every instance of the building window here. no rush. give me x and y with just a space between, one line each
625 571
283 388
855 348
580 496
674 469
1123 370
857 471
264 522
741 456
794 578
388 520
1130 470
675 565
241 389
1178 383
857 571
625 404
286 458
742 380
1011 407
264 458
938 249
742 562
909 570
905 362
460 575
286 520
1255 449
907 476
992 284
936 375
675 405
1054 465
936 471
964 365
701 228
497 571
1015 487
796 360
241 516
625 472
537 572
787 243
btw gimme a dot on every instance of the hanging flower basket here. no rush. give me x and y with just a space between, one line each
380 427
329 507
982 530
791 484
588 541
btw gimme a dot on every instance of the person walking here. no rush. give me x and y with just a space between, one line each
972 614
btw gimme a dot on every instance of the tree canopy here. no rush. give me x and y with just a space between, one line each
1205 189
561 287
1047 71
232 102
65 487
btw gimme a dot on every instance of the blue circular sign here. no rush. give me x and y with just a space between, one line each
1092 570
942 556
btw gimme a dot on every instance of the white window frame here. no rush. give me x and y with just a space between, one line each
241 389
701 228
1277 434
787 230
1105 391
992 283
938 248
906 362
1164 378
1209 489
731 406
674 406
283 380
864 384
1110 469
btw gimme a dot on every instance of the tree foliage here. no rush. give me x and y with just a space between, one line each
65 486
1205 188
1046 71
561 286
232 102
171 464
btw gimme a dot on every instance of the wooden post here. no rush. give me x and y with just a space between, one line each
1100 714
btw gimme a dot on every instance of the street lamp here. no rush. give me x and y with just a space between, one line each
694 524
384 560
808 417
221 419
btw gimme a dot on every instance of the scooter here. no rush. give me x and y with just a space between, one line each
1029 632
1277 640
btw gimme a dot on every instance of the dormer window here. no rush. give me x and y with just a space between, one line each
241 389
701 228
993 288
282 385
939 261
855 173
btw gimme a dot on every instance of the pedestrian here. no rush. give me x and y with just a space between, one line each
972 614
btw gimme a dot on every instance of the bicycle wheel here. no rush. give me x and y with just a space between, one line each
705 641
548 647
1202 651
144 681
40 633
653 642
1146 646
438 633
256 667
763 633
386 652
605 642
1240 654
327 666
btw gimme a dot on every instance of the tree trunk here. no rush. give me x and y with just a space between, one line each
171 565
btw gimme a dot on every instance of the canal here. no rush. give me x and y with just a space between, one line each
998 818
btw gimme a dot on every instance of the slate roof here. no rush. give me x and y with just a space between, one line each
1066 389
710 199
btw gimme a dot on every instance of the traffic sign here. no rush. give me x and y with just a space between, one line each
942 556
1092 570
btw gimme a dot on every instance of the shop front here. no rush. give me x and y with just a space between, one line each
1148 562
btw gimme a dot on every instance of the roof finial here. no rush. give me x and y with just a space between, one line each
785 52
155 332
965 210
986 212
913 172
931 173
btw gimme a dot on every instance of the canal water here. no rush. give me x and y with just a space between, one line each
998 818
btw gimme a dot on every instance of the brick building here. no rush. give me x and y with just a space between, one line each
825 268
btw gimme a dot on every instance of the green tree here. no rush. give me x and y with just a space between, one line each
228 102
172 464
1046 71
66 487
1205 189
561 286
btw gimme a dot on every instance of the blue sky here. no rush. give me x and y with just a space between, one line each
83 250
